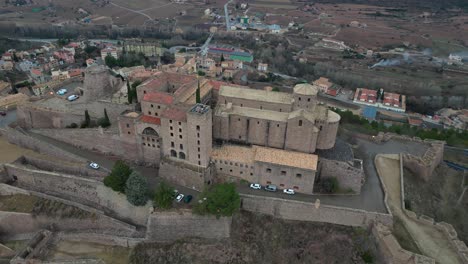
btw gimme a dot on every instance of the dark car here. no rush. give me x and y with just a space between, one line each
188 198
271 188
2 113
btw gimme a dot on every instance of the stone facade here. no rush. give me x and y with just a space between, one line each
350 175
273 119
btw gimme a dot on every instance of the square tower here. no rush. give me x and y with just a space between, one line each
199 134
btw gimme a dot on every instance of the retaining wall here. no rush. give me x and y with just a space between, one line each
94 139
348 176
315 212
21 139
183 174
447 229
86 191
171 226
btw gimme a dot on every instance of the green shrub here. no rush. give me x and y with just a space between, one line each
330 185
117 179
136 189
221 200
164 196
367 257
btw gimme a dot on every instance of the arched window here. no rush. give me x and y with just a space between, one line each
198 128
181 155
173 153
150 131
300 122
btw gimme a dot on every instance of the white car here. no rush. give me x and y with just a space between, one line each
289 191
94 165
179 197
62 91
255 186
72 97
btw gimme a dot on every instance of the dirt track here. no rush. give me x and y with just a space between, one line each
430 240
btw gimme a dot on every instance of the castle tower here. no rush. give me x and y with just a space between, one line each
97 83
199 134
305 96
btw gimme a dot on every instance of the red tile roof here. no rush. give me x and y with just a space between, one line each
74 72
151 120
175 113
36 72
414 122
159 98
332 92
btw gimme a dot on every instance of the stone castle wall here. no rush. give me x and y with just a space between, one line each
89 192
190 176
348 176
30 116
171 226
306 211
92 139
421 166
21 139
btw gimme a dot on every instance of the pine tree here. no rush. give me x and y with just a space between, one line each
87 118
222 57
136 189
104 121
106 116
129 93
198 99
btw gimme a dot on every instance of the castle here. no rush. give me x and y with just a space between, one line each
261 136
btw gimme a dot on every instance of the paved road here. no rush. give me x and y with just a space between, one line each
131 10
371 197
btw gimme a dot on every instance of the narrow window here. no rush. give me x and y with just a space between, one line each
298 175
283 173
172 144
300 122
268 170
181 146
198 128
128 125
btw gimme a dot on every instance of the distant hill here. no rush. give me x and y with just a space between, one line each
432 4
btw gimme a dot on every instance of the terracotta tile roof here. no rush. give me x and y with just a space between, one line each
287 158
175 113
414 121
151 120
36 72
159 98
332 92
74 72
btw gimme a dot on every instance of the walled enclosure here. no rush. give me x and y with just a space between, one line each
315 212
172 226
349 176
184 174
89 192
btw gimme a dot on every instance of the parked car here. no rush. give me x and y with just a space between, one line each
255 186
271 188
179 197
62 91
94 165
72 97
188 199
3 113
289 191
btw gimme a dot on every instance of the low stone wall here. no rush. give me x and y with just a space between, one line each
16 223
171 226
447 229
106 239
21 139
94 139
315 212
183 174
81 190
422 166
392 251
349 176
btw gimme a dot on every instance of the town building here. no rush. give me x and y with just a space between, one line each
380 99
150 49
323 84
110 51
262 67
